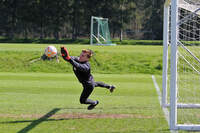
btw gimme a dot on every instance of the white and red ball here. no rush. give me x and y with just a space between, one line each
51 51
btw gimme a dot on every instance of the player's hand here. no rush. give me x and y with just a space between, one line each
65 53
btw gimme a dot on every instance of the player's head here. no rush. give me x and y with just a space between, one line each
85 55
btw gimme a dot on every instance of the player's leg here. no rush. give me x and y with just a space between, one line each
87 90
101 84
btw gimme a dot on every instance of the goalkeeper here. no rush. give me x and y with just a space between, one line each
82 70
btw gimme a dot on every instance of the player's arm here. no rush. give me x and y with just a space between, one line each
79 66
82 67
65 53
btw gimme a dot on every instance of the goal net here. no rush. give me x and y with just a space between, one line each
182 66
100 34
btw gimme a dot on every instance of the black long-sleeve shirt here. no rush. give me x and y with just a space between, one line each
82 70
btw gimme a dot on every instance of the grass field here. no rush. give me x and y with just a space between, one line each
45 102
33 100
112 59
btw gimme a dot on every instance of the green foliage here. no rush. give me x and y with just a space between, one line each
138 42
60 19
112 59
154 21
44 41
80 41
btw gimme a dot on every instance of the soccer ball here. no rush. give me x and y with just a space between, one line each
50 51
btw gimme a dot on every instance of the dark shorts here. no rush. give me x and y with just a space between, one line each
87 90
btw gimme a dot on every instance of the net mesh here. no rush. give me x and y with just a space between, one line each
101 33
188 62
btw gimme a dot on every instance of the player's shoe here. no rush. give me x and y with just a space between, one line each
112 88
92 106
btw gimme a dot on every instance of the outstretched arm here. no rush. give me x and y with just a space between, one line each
65 54
82 67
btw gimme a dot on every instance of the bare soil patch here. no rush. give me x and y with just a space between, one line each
77 116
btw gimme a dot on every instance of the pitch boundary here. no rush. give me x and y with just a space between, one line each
165 110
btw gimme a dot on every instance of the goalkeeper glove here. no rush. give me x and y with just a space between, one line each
65 53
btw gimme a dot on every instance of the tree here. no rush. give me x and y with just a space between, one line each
76 17
71 18
153 21
9 17
57 16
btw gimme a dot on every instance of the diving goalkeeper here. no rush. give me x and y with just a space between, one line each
82 70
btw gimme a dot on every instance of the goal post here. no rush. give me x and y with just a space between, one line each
165 52
99 31
181 63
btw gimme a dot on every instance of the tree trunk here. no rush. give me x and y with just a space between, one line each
121 35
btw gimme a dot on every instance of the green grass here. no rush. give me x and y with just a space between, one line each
112 59
32 95
26 94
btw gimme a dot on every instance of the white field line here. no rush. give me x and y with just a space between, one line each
165 110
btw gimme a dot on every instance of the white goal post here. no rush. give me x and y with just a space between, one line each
181 63
99 31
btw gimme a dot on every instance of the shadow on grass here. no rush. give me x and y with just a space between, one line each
36 122
46 117
24 121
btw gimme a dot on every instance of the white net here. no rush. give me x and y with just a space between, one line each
188 62
100 33
188 80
